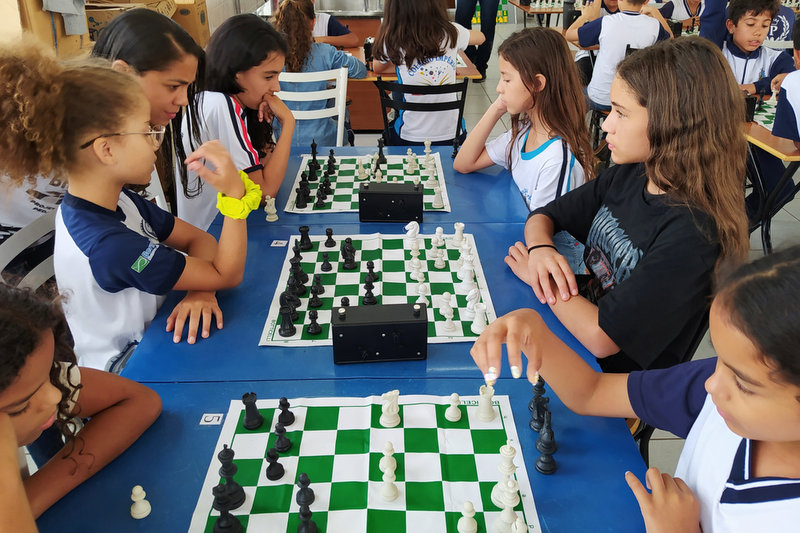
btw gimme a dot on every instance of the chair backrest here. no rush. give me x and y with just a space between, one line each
338 94
156 192
386 88
21 240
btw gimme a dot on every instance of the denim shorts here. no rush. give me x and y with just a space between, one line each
571 249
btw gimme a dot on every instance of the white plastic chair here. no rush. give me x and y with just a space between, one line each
17 243
338 94
156 192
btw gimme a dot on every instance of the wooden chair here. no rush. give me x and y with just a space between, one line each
338 94
386 88
24 238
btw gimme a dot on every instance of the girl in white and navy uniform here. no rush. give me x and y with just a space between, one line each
548 127
680 10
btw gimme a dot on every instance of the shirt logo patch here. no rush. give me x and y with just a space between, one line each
144 258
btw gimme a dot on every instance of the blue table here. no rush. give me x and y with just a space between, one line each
587 493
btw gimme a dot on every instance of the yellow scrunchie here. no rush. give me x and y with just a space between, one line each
240 208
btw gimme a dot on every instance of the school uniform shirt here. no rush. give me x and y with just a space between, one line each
417 126
653 260
113 271
780 30
323 131
786 122
22 205
222 118
715 462
536 173
757 67
326 25
680 10
613 33
580 54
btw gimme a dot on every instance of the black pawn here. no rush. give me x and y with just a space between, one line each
306 525
329 242
305 496
282 444
546 464
287 328
331 157
300 201
345 302
305 240
313 327
275 470
326 186
546 442
252 418
320 203
286 417
371 275
318 284
314 301
326 263
226 522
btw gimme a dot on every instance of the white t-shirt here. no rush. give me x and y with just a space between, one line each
221 117
536 173
22 205
418 126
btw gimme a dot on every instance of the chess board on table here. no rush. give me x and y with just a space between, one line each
765 113
339 442
391 255
345 182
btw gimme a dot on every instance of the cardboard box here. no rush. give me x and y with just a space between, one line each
49 28
99 13
193 17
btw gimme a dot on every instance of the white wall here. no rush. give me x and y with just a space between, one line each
219 10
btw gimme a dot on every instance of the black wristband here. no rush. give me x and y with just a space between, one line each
535 246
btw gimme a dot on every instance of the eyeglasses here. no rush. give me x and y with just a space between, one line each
156 135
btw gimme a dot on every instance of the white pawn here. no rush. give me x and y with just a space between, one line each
140 507
439 263
378 176
440 235
389 490
473 297
458 236
479 322
269 209
447 313
362 174
409 153
389 410
467 524
465 250
422 290
427 146
412 230
453 413
438 203
388 460
416 178
485 411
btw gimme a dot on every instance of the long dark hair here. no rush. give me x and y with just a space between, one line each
697 156
147 40
560 103
239 44
293 19
760 300
413 30
23 319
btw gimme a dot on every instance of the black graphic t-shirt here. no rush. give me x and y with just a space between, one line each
653 260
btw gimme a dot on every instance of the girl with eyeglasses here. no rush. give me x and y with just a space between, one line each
116 254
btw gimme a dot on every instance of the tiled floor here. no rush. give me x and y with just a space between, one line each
665 448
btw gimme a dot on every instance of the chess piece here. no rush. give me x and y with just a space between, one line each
320 203
369 297
306 525
275 470
140 507
345 301
453 413
297 270
381 157
458 236
473 297
305 494
390 410
510 500
287 328
305 240
286 417
546 442
313 327
388 490
422 290
282 443
468 282
234 493
287 300
468 261
388 460
519 526
537 415
440 263
326 263
318 284
299 202
412 230
467 524
371 275
446 309
270 210
378 175
507 469
349 255
226 522
362 174
252 418
329 242
479 322
438 202
533 406
485 411
546 464
315 300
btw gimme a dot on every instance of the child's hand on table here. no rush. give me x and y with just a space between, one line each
670 506
537 267
196 305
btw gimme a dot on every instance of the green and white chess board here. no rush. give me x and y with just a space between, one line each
339 442
765 113
391 255
345 182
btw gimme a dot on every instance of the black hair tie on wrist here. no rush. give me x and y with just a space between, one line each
535 246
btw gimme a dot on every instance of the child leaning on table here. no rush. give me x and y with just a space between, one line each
547 148
739 470
116 254
636 25
41 385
